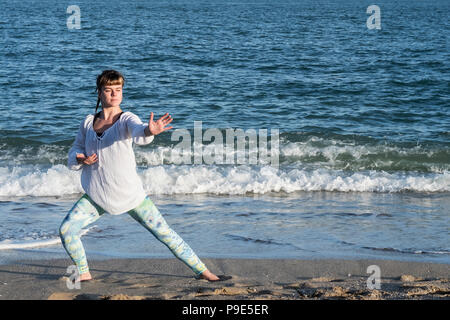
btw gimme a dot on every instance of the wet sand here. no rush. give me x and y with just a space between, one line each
260 279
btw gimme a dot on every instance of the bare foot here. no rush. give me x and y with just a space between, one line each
208 275
85 276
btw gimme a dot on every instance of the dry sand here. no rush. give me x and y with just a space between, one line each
131 279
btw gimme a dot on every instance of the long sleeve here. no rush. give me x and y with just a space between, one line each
77 147
136 129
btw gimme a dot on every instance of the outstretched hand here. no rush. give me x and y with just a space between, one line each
158 126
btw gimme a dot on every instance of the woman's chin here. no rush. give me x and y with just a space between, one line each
112 105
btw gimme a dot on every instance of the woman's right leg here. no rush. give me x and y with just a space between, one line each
84 212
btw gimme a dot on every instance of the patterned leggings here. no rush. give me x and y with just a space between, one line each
86 211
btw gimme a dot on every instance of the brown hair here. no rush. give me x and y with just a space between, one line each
108 78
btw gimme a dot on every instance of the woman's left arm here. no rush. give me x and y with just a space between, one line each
137 130
144 134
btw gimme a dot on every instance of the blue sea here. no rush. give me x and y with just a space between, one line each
362 115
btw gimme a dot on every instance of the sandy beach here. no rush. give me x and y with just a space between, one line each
252 279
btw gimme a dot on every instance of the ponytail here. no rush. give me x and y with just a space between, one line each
98 103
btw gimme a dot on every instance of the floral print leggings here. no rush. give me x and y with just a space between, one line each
86 211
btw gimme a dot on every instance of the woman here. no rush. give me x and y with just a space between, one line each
103 150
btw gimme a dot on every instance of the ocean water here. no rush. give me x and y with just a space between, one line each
361 116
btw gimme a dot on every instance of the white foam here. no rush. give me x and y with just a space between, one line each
58 180
14 244
246 179
35 181
10 244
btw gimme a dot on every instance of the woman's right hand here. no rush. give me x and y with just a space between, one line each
81 158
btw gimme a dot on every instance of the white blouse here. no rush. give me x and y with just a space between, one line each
112 182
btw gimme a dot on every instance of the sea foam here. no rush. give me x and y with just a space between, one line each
58 180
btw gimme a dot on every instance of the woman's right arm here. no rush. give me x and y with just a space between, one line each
77 148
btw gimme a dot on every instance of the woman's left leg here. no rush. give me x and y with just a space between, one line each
149 216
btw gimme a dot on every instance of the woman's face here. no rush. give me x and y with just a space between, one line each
111 96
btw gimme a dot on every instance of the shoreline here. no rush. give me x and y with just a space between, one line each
260 279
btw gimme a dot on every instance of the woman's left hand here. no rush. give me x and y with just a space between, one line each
158 126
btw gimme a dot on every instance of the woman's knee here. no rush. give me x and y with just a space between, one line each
68 229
